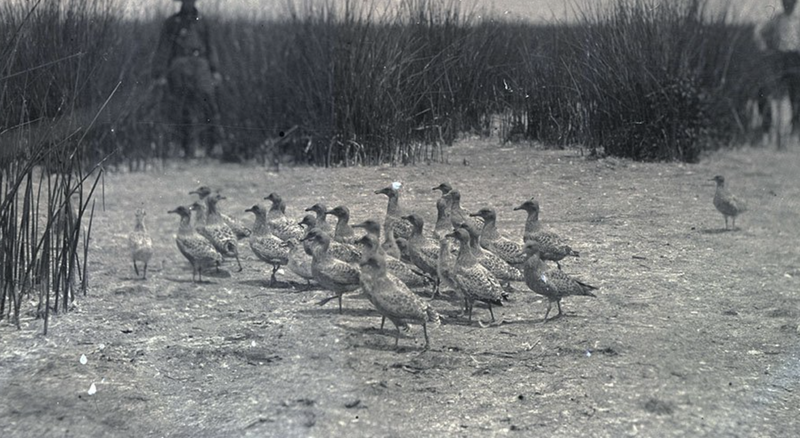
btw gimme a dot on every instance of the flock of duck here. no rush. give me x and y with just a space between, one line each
462 255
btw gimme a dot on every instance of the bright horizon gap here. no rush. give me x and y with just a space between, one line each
536 11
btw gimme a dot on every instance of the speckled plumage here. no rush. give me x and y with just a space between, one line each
551 283
394 212
266 246
331 273
280 225
396 267
239 229
140 243
551 246
299 261
726 202
393 300
474 281
369 244
459 215
200 253
491 240
491 261
217 232
342 251
422 251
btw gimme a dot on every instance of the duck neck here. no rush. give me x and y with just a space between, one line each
200 213
475 244
343 228
465 256
444 249
140 225
416 233
393 208
442 214
533 266
320 252
212 215
322 219
448 202
185 227
276 210
260 225
389 243
489 230
532 224
455 205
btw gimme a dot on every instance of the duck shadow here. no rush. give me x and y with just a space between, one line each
389 331
717 230
288 285
333 310
188 281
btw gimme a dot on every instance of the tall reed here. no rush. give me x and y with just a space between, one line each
45 190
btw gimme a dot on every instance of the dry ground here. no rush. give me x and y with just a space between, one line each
694 331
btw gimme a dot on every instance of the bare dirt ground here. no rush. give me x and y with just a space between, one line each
694 331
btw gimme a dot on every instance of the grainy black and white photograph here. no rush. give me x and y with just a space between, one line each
399 218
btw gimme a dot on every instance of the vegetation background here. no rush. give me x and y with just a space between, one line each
642 79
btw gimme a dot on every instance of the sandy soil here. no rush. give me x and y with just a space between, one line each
694 331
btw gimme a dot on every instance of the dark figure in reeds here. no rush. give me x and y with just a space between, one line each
779 40
186 62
